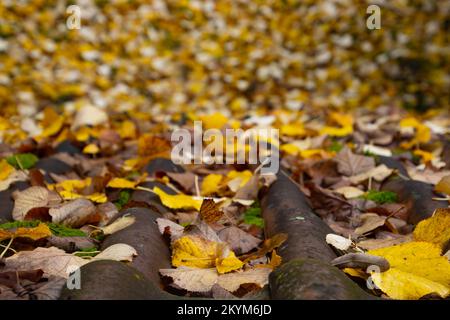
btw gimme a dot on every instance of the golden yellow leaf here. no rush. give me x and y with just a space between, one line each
336 132
53 127
292 130
127 130
211 184
425 155
422 132
443 185
5 169
120 183
193 251
435 229
229 263
239 178
36 233
214 121
179 201
417 269
95 197
91 148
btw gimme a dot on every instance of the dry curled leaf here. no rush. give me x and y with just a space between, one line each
75 213
33 197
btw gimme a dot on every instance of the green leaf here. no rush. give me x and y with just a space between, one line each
87 252
124 197
23 160
253 216
381 197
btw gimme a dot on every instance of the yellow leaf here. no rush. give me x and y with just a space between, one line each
214 121
336 132
120 183
230 263
91 149
444 185
435 229
244 176
290 149
344 120
417 269
53 128
179 201
425 155
211 183
36 233
127 130
83 134
71 185
95 197
5 170
193 251
422 132
39 232
292 130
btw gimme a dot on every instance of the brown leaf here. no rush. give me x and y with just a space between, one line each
186 179
351 164
75 213
240 241
33 197
268 245
210 211
370 222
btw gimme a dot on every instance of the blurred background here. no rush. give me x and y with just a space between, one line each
167 56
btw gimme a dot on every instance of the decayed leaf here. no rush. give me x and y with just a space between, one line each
268 245
121 223
179 201
15 176
194 251
417 269
186 179
203 280
232 281
351 164
210 211
75 213
171 228
378 173
36 233
192 279
57 262
239 241
370 222
435 229
250 190
33 197
444 185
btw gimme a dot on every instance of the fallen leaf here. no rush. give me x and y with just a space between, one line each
166 226
119 224
443 185
210 211
435 229
417 269
370 222
33 197
232 281
194 251
120 183
75 213
351 164
338 241
239 241
36 233
117 252
210 184
378 173
179 201
192 279
89 116
267 247
350 192
5 169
